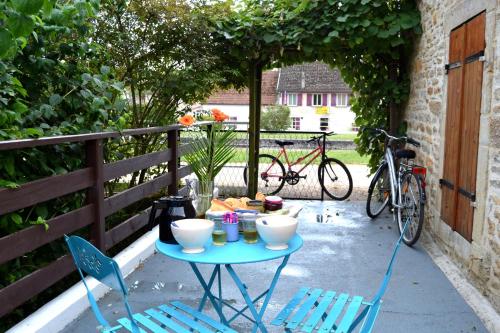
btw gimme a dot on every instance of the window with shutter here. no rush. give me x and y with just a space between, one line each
465 73
316 100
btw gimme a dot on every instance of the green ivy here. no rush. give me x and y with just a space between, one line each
363 38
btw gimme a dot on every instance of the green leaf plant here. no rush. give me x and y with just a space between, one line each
212 146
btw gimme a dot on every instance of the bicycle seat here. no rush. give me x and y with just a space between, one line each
283 143
405 153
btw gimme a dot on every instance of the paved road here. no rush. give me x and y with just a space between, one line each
347 252
230 182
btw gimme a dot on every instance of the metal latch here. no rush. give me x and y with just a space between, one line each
475 57
453 65
465 193
446 183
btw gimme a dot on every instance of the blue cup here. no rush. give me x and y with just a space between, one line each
231 231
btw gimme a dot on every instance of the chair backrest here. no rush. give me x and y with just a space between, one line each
90 260
93 262
388 273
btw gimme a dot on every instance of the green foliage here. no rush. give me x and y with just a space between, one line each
363 38
164 53
50 85
52 82
276 118
212 148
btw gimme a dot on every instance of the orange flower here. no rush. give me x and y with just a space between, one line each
219 115
186 120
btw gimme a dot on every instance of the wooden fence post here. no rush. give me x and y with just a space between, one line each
95 194
255 87
172 137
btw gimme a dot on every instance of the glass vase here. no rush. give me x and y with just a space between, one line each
204 196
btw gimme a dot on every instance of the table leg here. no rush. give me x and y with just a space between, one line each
208 292
243 290
209 286
271 288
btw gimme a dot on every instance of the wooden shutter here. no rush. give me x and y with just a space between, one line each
465 72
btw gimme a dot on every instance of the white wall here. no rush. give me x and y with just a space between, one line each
239 111
340 118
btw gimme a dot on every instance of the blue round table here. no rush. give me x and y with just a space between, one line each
233 253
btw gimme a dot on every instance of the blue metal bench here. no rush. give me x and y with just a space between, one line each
176 317
315 310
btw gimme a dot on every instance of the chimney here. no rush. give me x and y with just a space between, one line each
302 80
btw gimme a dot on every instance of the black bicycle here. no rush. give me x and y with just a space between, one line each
333 175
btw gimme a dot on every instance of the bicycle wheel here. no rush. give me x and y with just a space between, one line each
379 192
411 208
335 179
271 175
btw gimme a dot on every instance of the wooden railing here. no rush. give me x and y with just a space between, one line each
90 178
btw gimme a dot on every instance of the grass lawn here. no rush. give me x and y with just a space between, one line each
290 136
345 156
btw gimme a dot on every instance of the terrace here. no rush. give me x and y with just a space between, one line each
343 250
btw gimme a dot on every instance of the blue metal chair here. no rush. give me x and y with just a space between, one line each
175 317
338 312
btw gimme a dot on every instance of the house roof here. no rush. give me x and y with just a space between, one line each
234 97
314 77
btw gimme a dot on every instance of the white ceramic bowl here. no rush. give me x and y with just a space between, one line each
276 231
192 234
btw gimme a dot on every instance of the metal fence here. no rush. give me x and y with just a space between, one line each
230 180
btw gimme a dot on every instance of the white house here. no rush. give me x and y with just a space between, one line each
317 97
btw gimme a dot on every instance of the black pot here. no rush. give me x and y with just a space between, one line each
172 208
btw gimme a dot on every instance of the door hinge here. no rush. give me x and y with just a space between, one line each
475 57
446 183
452 65
467 194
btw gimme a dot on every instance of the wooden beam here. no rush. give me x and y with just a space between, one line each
124 167
254 87
173 163
44 189
95 195
31 285
55 140
26 240
126 228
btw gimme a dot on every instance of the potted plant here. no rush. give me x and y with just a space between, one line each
212 146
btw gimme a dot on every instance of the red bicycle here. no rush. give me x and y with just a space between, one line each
333 175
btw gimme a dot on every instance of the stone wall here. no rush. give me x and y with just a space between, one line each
425 113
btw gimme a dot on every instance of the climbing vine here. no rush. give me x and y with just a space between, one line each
370 41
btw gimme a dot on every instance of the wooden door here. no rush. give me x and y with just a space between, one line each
465 73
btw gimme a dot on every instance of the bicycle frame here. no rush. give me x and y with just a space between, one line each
389 158
318 151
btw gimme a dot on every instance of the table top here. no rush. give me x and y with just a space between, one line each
232 253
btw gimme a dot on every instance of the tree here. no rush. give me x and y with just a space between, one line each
164 53
276 118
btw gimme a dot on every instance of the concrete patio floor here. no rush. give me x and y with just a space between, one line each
345 252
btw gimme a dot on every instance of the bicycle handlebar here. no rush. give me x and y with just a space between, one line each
314 138
391 137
